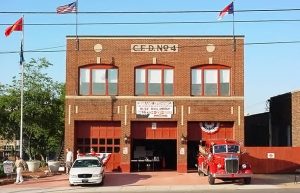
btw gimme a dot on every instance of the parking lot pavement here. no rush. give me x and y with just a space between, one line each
152 181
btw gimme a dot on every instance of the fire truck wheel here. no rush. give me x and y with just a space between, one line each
247 180
211 179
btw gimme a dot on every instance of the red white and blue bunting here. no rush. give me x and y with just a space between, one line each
209 127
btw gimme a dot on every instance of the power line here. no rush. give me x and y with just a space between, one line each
158 22
153 12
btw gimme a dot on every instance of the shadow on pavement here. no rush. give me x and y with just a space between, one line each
120 179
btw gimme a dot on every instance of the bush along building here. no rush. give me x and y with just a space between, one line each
149 100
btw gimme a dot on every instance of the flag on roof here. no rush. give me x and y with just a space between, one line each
18 26
229 9
69 8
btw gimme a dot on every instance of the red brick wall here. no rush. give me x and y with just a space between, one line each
192 52
296 119
286 160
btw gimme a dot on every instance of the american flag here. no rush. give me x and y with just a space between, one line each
72 7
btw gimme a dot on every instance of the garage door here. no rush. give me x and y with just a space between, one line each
103 136
154 130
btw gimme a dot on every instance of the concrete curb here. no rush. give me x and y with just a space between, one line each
178 188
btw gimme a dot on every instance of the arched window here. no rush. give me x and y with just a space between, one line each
154 80
210 80
98 80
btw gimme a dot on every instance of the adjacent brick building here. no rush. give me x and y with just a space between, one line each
148 100
285 119
278 127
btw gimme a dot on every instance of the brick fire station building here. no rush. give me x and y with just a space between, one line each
148 100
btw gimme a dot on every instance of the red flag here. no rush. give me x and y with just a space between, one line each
18 26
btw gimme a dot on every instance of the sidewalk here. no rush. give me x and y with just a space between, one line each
151 181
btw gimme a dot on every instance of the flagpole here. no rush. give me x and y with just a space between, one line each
77 42
233 30
22 92
234 46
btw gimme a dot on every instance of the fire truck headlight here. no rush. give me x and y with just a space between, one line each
244 166
219 166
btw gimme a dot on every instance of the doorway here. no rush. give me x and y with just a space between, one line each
153 155
192 154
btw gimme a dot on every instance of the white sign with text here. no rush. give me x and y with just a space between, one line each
154 109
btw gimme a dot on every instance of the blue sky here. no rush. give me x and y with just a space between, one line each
269 69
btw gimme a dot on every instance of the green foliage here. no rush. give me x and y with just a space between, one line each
1 170
43 118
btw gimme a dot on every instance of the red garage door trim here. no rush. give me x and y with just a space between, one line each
154 130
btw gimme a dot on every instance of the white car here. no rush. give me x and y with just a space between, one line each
87 170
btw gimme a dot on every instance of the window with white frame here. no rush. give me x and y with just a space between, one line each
98 81
210 81
154 81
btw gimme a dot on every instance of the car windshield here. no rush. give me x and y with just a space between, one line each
86 163
220 148
233 148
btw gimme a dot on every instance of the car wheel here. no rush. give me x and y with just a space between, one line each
71 184
102 182
247 180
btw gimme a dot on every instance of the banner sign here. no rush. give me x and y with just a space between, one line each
154 109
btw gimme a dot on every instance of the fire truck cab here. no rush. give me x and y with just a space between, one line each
221 159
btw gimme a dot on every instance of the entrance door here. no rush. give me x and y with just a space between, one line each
154 141
192 154
194 134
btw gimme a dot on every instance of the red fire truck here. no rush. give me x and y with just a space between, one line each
221 159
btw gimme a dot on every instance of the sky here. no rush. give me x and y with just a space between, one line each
270 69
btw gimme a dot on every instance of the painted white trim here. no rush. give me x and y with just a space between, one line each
239 115
181 115
154 60
98 60
69 115
125 115
76 109
210 60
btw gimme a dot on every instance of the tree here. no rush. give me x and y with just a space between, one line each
43 110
